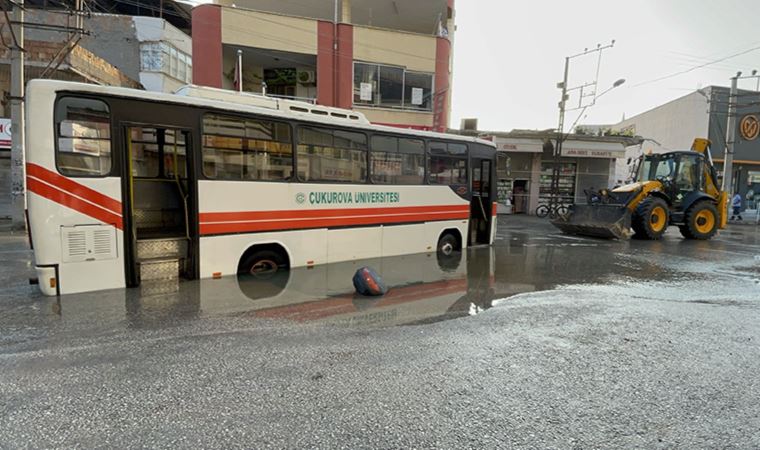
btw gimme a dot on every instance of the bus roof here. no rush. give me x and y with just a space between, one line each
246 102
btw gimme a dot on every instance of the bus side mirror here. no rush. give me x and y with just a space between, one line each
629 161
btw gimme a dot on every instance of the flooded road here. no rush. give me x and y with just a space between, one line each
542 340
423 288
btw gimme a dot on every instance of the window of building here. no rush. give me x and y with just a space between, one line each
331 155
447 163
566 182
84 137
165 58
418 91
392 87
246 149
397 160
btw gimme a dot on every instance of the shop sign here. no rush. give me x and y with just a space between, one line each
606 150
518 145
5 133
584 153
749 127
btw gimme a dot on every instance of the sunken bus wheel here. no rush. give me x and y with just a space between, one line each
262 263
650 220
701 221
447 244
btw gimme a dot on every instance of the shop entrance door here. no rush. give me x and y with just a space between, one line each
520 195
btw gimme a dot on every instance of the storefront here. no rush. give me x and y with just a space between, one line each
516 164
525 164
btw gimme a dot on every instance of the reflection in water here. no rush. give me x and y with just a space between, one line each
423 288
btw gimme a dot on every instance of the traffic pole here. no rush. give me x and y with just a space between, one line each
728 158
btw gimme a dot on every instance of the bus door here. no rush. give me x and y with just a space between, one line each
158 204
481 204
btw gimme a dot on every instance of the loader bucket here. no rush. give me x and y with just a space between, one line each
603 221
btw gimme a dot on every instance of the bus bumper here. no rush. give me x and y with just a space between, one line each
48 279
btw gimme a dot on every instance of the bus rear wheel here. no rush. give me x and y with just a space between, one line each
262 264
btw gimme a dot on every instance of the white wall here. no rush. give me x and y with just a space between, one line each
152 29
673 126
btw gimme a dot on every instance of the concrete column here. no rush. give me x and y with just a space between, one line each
535 181
325 64
207 45
345 67
18 169
441 84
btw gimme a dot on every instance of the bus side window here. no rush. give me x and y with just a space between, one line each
397 160
447 163
246 149
83 127
331 155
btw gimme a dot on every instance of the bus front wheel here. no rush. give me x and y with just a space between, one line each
447 245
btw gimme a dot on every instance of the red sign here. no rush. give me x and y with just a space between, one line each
5 133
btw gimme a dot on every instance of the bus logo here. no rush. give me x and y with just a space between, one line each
300 198
750 127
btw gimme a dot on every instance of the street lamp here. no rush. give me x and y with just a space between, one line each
616 84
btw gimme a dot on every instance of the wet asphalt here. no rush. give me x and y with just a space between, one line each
543 341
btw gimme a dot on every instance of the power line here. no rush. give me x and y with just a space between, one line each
709 63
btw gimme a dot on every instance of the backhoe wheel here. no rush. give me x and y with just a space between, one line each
701 221
650 220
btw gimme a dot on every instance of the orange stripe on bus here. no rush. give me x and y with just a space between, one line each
74 188
72 202
333 222
246 216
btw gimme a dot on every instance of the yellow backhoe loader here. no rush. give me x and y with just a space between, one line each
676 188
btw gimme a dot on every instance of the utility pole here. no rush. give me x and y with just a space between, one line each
728 158
554 195
18 182
554 199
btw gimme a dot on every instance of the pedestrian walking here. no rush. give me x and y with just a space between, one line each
736 203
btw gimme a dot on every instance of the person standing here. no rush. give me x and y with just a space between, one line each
736 203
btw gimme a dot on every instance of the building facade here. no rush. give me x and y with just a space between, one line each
525 163
389 60
71 64
703 113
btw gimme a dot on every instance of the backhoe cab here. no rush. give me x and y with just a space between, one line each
676 188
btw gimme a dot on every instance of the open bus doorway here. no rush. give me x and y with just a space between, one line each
158 202
481 204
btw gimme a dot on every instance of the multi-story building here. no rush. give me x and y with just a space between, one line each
703 113
47 55
119 50
391 60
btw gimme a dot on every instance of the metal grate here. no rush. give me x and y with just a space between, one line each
77 244
88 243
102 242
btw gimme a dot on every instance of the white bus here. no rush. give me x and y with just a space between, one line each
126 186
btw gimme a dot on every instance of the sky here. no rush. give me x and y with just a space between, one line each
509 56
